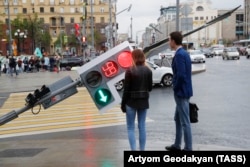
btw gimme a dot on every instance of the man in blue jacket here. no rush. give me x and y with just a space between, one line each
182 85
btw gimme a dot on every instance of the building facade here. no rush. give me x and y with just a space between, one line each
194 14
60 16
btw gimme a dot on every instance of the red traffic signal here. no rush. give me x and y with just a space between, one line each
77 29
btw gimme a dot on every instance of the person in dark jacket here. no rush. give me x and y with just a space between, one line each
182 85
135 99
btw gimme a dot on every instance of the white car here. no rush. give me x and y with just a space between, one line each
161 75
217 51
230 53
197 56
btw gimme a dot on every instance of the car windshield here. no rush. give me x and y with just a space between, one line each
218 48
231 49
195 52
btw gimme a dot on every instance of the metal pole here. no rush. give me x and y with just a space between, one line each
60 24
92 25
10 35
110 25
131 29
177 14
115 26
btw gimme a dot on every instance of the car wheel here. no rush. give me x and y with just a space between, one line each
167 80
119 85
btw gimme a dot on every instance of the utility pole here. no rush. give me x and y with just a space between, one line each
110 25
92 25
177 14
9 26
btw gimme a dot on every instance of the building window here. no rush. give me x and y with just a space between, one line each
42 20
196 18
53 22
72 20
102 20
199 8
52 2
41 10
201 18
61 10
102 10
15 10
72 2
52 9
24 10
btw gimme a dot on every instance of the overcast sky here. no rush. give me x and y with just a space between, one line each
144 12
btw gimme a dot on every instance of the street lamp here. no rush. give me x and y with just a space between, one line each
126 9
20 35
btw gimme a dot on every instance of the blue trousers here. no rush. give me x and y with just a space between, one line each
141 118
182 123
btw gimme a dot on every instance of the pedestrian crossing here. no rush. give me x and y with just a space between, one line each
74 113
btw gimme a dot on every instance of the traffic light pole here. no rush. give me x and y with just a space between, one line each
38 101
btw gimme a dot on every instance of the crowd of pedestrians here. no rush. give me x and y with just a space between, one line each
27 64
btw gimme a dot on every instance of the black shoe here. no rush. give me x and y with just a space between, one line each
172 148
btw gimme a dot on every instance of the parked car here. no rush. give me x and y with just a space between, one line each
161 75
71 62
197 56
230 53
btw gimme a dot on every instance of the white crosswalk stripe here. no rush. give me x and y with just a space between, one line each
76 112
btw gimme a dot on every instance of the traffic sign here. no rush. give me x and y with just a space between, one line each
101 74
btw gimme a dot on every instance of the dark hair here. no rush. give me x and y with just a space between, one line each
177 37
138 57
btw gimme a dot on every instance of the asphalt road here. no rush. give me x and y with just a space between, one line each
222 95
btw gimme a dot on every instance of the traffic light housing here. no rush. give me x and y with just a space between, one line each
102 73
77 29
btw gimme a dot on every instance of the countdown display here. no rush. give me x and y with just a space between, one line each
102 73
110 69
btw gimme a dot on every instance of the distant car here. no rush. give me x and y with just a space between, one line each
161 75
197 56
230 53
71 62
207 52
217 51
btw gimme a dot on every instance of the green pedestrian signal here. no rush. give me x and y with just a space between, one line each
103 96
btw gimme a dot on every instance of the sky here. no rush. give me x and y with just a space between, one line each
144 12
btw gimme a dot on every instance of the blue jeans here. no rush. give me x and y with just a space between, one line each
141 117
182 123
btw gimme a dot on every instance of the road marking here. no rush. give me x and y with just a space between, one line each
75 113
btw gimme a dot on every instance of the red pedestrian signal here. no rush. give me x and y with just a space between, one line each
102 73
